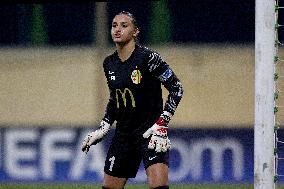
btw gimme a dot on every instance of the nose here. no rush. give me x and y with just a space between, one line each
117 29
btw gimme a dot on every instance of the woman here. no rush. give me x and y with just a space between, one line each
134 76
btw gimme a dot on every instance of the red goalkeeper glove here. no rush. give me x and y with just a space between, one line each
159 131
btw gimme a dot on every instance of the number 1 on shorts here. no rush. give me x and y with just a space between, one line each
111 162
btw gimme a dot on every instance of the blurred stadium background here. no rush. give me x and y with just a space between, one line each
53 90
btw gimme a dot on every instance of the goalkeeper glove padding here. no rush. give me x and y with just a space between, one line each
95 137
159 131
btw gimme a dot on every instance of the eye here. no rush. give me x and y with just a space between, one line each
124 25
114 25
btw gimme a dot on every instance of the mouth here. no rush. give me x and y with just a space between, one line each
117 35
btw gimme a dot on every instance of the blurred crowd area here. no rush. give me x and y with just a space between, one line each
183 21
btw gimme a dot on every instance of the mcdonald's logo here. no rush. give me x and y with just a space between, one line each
123 95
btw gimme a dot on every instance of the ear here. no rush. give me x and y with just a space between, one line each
136 32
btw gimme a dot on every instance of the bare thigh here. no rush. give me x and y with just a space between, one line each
157 175
111 182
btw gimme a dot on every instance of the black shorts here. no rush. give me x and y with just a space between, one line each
124 158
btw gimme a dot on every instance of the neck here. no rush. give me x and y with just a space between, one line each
124 50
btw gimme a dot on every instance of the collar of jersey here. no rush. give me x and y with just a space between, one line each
129 58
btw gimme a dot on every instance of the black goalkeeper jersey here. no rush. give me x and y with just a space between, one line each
136 101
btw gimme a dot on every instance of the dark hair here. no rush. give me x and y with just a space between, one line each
133 19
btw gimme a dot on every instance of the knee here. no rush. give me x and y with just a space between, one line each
162 187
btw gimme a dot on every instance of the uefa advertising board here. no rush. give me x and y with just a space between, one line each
41 154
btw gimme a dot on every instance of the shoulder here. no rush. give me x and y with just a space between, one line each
109 59
150 52
149 55
152 57
145 50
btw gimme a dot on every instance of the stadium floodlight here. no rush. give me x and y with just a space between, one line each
265 51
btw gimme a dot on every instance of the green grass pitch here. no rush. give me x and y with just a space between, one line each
129 186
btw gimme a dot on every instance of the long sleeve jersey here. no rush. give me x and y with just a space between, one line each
136 101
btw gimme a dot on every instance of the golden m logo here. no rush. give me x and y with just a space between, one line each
123 96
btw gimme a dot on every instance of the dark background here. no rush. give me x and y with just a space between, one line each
206 21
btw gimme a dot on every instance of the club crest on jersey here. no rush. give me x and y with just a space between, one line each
136 76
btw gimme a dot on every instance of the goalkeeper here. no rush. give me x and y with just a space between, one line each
134 77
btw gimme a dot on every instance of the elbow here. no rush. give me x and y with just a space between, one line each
181 91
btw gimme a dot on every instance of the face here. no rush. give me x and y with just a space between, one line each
123 30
